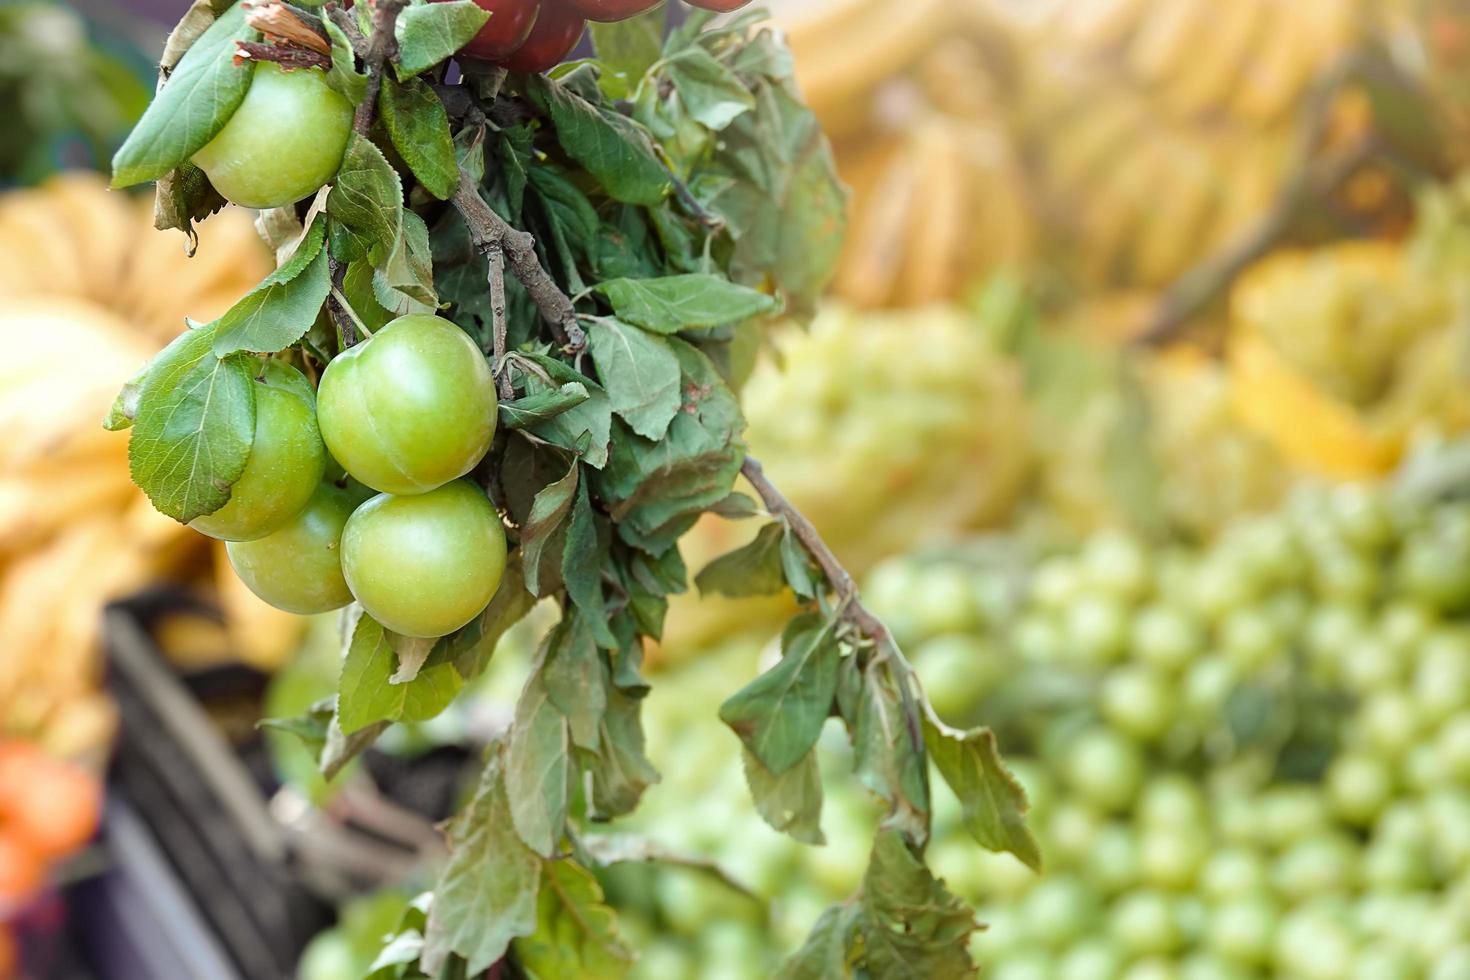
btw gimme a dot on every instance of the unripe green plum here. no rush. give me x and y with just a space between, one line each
427 564
284 141
1166 637
1243 929
285 465
1145 922
411 407
1138 700
1359 786
1105 768
298 568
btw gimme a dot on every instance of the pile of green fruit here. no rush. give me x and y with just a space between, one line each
1245 759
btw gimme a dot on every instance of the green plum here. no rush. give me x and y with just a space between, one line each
286 460
411 408
299 567
284 141
425 564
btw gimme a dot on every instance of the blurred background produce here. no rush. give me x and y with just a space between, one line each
1138 407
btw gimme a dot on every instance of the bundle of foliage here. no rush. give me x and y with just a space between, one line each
547 433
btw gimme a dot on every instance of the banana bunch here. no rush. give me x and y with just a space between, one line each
1247 60
1123 139
911 95
888 430
1340 355
87 293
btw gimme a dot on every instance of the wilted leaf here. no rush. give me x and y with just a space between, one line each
614 149
791 802
366 201
992 800
912 927
538 766
486 894
711 92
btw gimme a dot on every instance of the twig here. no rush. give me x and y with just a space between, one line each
495 253
347 24
346 323
488 231
380 47
850 604
288 56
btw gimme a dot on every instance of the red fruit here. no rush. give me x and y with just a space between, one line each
51 805
22 870
611 10
556 32
719 6
510 23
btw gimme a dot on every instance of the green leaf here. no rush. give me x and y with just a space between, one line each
736 507
614 149
550 507
619 768
404 282
750 570
366 199
581 571
626 49
826 954
205 89
658 488
487 894
576 931
640 374
993 804
125 406
365 693
341 748
797 566
429 33
583 428
711 92
791 802
521 413
781 200
688 302
576 680
538 764
278 312
419 127
357 287
343 75
779 715
195 423
912 927
888 754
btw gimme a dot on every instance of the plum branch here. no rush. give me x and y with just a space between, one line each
380 47
490 233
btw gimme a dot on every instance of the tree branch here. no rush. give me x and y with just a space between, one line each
380 47
347 24
288 56
346 325
495 253
489 231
